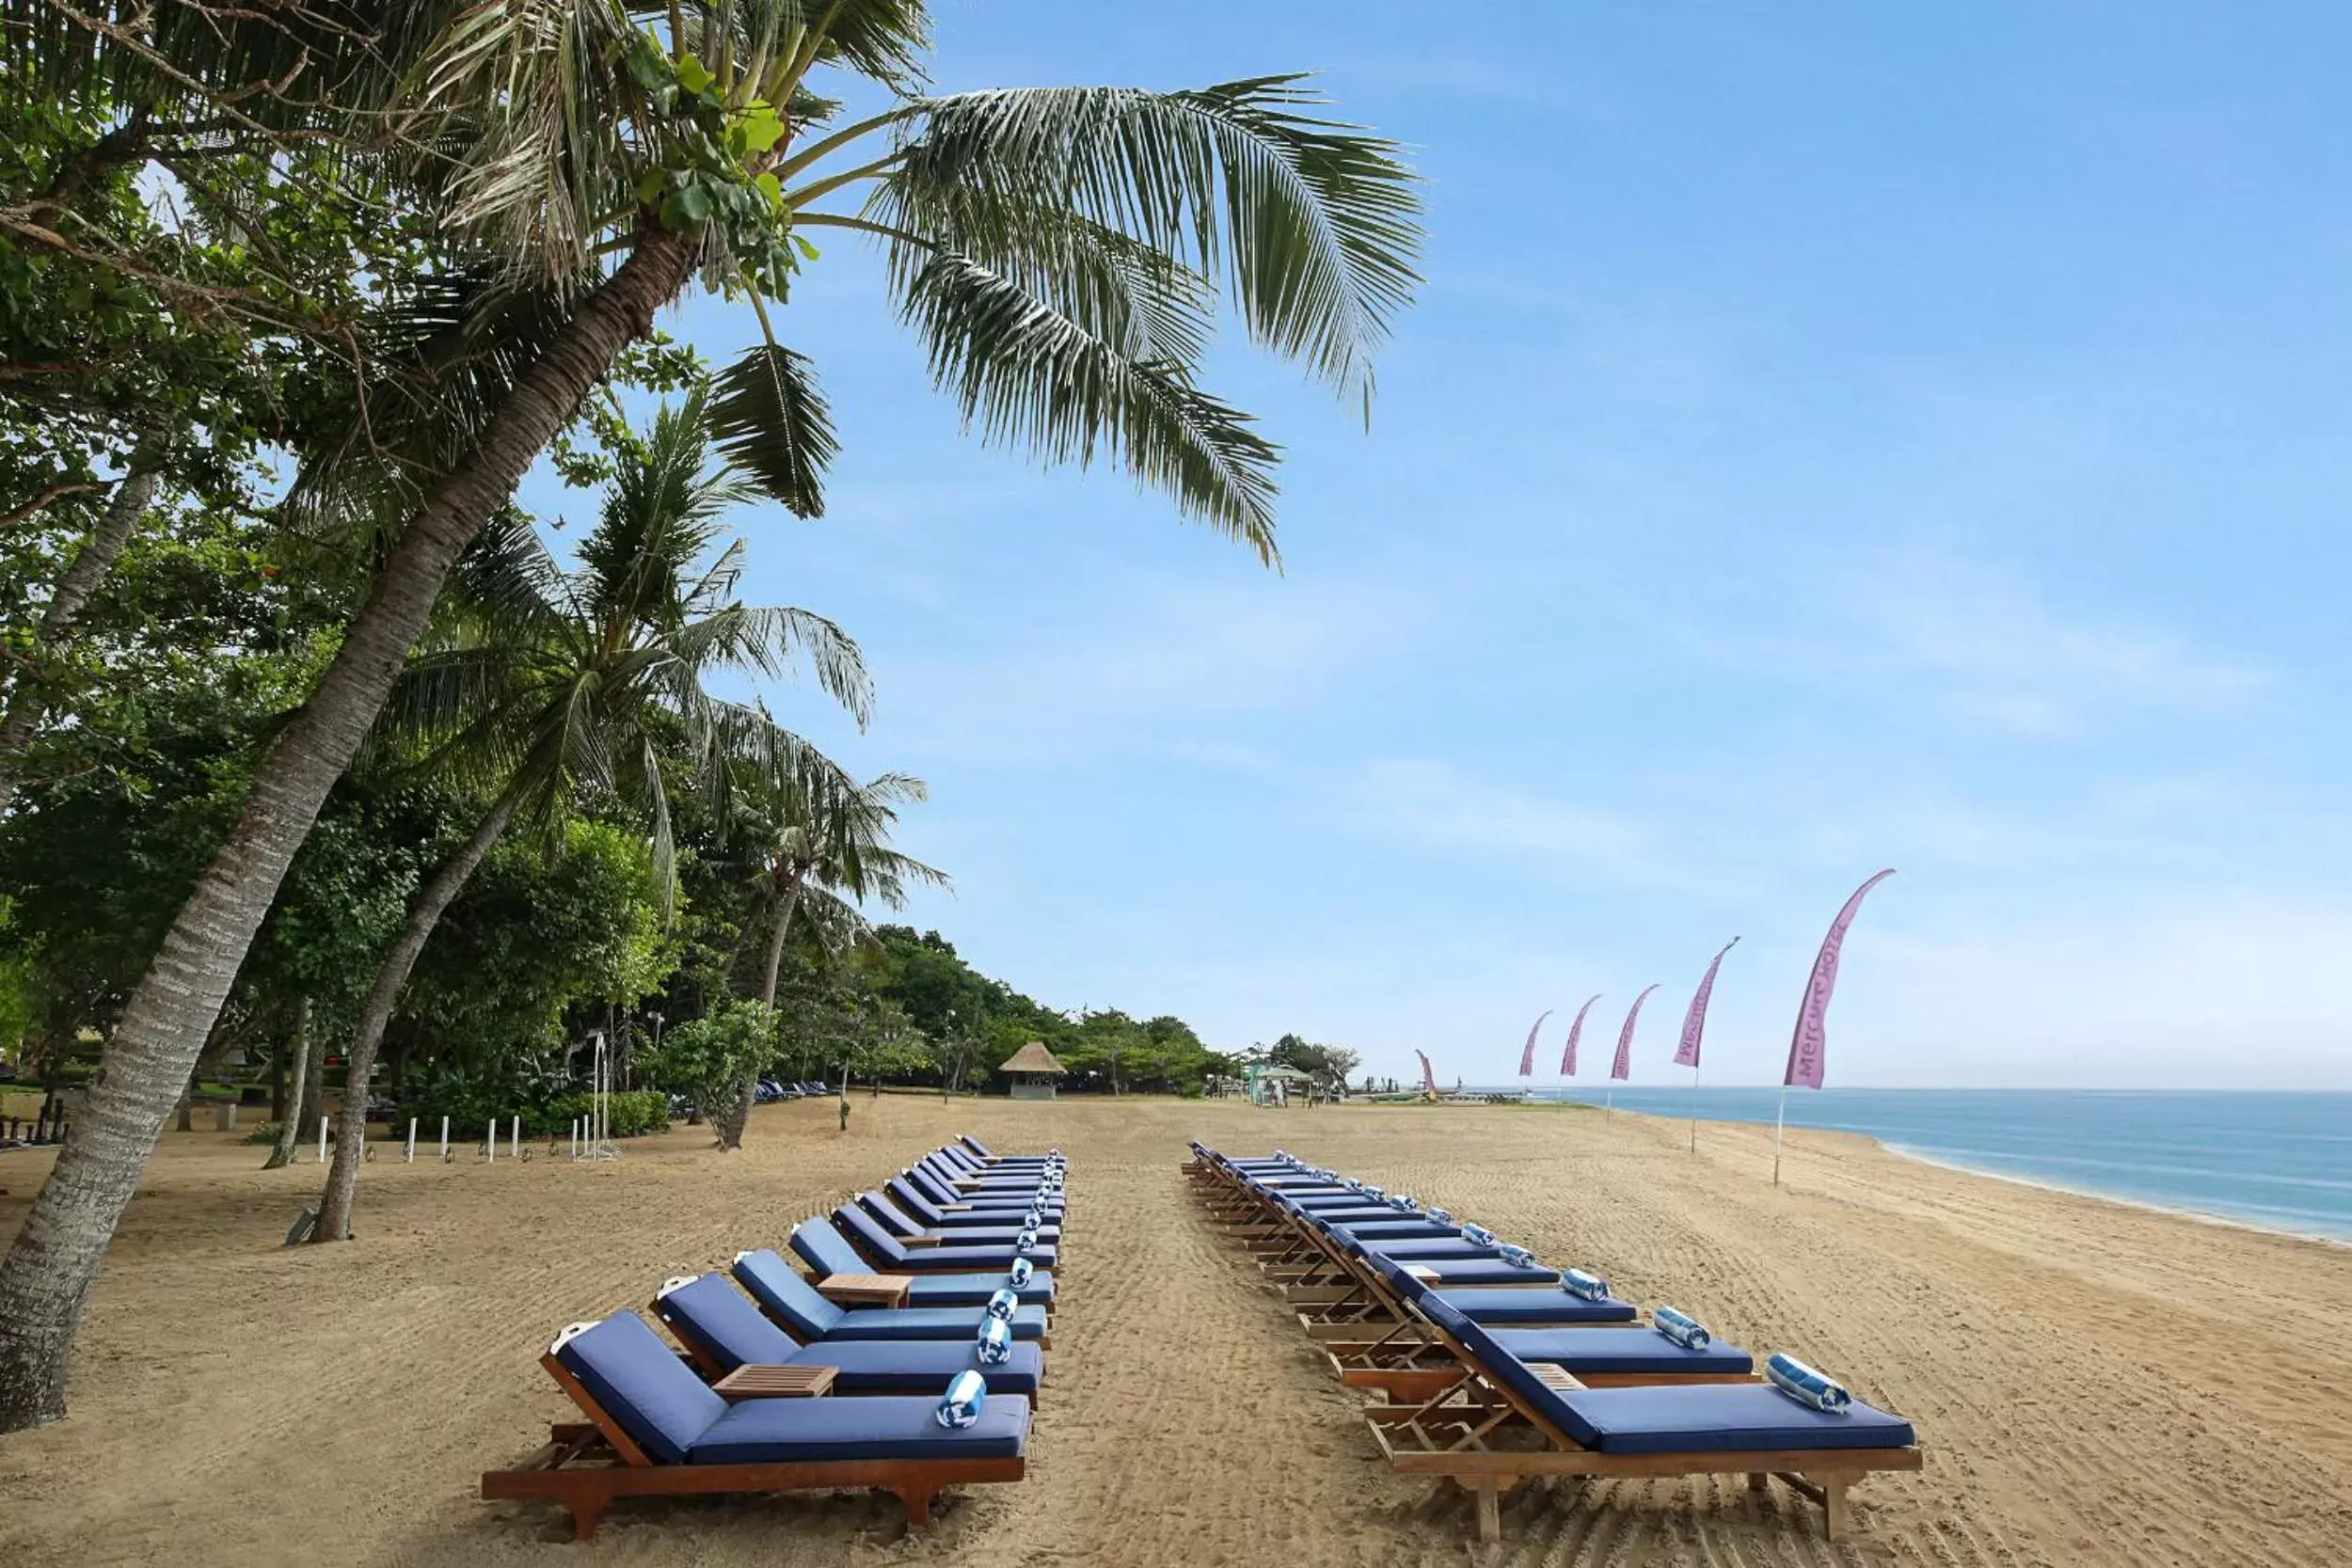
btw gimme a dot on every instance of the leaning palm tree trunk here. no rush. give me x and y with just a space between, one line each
133 492
736 1117
47 1276
424 912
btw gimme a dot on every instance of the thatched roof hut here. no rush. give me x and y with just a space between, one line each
1032 1070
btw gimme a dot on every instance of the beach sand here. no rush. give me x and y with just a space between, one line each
2095 1384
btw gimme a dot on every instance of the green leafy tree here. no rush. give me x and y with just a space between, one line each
704 1059
549 684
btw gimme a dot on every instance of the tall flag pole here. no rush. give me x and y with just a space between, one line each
1808 1044
1527 1058
1694 1028
1567 1057
1623 1066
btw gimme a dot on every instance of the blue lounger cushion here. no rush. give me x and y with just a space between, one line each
913 1201
1428 1250
1695 1418
711 1316
1367 1225
792 1300
783 1431
644 1387
1631 1350
827 1252
875 1240
1497 1308
899 1223
1480 1270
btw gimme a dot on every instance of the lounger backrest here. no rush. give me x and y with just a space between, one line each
866 1228
910 1198
713 1317
889 1213
825 1249
777 1285
956 1160
932 1187
642 1384
975 1146
1508 1370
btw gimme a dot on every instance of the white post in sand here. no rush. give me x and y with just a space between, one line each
411 1158
321 1137
445 1138
1780 1124
490 1144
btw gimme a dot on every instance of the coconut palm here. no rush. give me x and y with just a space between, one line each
814 839
1060 253
547 684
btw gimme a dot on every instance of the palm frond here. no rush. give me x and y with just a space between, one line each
1311 224
772 421
1021 370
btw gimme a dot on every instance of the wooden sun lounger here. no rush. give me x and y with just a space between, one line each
1459 1436
585 1465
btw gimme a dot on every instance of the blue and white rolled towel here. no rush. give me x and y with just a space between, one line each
1517 1256
1403 1202
1436 1216
1681 1328
1004 1304
960 1406
1586 1287
1022 1270
995 1346
1354 1186
1034 1219
1025 1244
1376 1194
1478 1235
1800 1383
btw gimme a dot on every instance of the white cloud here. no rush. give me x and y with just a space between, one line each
1427 804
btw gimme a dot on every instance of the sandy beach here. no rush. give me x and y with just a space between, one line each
2094 1384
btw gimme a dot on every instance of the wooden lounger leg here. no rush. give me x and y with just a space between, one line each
1489 1490
1834 1504
918 1503
1760 1480
587 1512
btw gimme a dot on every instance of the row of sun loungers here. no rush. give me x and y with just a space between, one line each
1494 1369
907 1357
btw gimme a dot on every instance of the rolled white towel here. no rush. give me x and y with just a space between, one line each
1022 1270
1589 1286
961 1406
1681 1328
1517 1256
1800 1383
1004 1304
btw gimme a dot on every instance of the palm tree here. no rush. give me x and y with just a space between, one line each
549 684
820 839
1060 251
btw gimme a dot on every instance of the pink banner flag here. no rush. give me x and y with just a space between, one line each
1527 1058
1428 1079
1567 1057
1807 1046
1623 1066
1694 1021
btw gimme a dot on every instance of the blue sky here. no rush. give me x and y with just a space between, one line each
1831 436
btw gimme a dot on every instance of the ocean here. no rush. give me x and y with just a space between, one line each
2279 1160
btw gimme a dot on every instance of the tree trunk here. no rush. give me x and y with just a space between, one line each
297 1087
46 1280
133 492
424 912
739 1115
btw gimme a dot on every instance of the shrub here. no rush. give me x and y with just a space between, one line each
631 1114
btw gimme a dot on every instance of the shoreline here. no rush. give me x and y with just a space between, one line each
2338 1239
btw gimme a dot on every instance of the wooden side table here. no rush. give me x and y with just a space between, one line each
1428 1276
754 1381
866 1290
1555 1377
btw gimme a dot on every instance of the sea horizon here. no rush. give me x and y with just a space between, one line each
2277 1159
